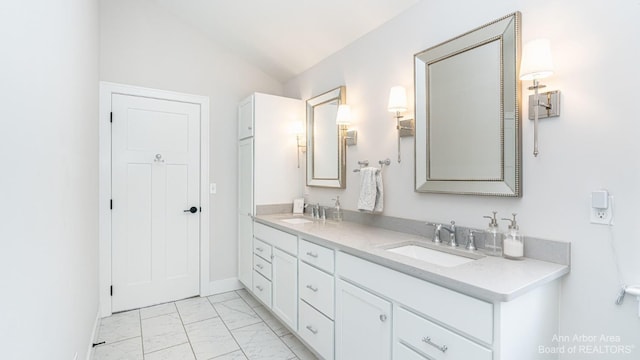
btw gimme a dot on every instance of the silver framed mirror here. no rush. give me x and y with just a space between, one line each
468 121
326 157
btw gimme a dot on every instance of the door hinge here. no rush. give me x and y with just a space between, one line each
111 117
111 204
111 290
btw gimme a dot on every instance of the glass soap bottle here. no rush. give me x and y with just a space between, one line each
337 210
513 244
492 243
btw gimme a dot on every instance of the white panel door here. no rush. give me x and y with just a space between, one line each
363 324
155 191
245 212
285 287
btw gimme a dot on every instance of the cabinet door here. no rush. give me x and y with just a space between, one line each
245 118
363 324
285 287
245 212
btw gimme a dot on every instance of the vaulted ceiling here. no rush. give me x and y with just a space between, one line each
285 37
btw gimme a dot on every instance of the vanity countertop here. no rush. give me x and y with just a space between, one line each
490 278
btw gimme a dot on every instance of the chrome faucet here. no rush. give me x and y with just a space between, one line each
452 233
471 244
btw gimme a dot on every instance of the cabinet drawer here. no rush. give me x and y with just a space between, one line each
316 330
464 313
262 266
262 288
316 288
433 340
262 249
316 255
280 239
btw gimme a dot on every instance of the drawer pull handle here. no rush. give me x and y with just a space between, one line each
259 287
312 288
312 254
383 317
260 249
310 328
427 340
259 266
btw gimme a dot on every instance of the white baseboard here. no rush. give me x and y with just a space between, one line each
221 286
94 335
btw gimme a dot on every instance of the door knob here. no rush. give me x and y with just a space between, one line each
192 210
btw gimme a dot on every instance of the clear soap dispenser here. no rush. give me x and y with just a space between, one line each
337 210
513 244
492 245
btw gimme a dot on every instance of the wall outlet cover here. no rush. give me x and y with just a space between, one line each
603 216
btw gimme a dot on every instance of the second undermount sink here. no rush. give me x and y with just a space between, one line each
295 221
432 256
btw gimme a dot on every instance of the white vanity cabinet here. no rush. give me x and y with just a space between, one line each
433 322
267 165
276 272
363 324
316 285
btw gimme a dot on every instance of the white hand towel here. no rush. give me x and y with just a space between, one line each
371 190
379 192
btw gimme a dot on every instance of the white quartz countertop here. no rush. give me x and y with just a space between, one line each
490 278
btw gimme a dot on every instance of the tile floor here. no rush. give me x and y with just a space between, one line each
229 326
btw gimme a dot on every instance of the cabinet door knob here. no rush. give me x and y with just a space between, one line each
249 127
259 266
427 340
312 288
312 329
260 249
383 317
259 287
312 254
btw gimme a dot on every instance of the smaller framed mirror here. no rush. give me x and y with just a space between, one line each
326 157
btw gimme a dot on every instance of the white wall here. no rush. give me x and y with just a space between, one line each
142 44
592 145
49 179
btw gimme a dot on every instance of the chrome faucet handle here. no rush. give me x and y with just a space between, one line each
436 232
452 235
471 244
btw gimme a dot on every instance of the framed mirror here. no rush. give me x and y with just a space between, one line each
326 157
468 121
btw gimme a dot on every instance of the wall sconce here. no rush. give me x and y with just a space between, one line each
537 64
397 105
343 120
298 129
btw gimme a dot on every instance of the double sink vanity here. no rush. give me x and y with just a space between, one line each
352 291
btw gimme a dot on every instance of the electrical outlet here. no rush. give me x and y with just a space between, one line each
603 216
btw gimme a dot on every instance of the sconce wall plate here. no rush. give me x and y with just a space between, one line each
407 127
549 105
352 137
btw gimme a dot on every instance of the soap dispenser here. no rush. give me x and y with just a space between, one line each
513 244
337 210
492 244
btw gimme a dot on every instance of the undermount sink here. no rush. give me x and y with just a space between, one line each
295 221
432 256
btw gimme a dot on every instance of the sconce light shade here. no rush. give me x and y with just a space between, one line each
397 99
297 128
536 60
344 115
